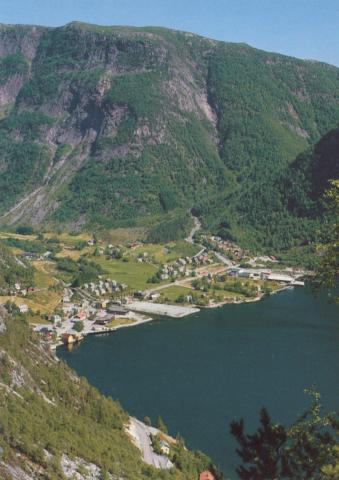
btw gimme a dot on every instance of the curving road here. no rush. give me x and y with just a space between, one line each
141 436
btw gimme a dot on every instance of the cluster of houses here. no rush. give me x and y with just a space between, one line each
279 276
16 290
85 309
184 266
144 258
181 267
202 258
95 316
34 256
227 246
104 287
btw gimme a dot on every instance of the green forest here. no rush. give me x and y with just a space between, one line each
127 127
56 412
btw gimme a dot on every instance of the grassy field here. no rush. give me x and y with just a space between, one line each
74 254
133 274
17 235
122 235
44 301
69 239
120 321
167 253
44 274
174 291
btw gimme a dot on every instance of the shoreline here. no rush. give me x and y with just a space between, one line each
142 321
103 331
249 300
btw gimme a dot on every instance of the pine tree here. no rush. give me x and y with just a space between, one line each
161 425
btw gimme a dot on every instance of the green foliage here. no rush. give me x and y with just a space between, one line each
305 450
172 229
67 264
14 64
82 271
25 230
23 167
155 440
147 421
12 271
80 244
328 268
167 199
157 147
161 425
289 211
31 246
78 326
28 123
256 97
139 92
77 421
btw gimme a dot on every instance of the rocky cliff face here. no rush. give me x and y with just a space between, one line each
113 125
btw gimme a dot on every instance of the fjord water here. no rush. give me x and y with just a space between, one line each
202 371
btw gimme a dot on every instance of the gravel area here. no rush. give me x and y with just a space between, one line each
175 311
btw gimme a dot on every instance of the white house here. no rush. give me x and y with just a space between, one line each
164 447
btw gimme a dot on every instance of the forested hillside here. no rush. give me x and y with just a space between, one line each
290 211
13 270
121 126
52 421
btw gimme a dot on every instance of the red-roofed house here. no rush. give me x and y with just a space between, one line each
81 315
206 475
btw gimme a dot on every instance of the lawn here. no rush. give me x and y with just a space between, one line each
120 321
133 274
174 291
43 275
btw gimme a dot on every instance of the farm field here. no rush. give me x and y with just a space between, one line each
44 301
133 274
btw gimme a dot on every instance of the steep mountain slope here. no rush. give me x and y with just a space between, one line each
13 270
55 426
124 126
289 211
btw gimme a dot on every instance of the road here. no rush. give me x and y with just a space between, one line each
196 227
224 259
185 282
141 435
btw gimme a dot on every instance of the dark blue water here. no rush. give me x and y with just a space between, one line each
202 371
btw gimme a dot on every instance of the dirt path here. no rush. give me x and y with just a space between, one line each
196 227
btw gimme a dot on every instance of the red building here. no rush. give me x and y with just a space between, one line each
206 475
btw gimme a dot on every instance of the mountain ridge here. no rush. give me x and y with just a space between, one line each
107 122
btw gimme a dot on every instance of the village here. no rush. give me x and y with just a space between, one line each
135 281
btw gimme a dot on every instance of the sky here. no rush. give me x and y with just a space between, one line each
301 28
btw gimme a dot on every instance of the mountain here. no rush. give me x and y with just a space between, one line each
123 126
54 425
290 210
